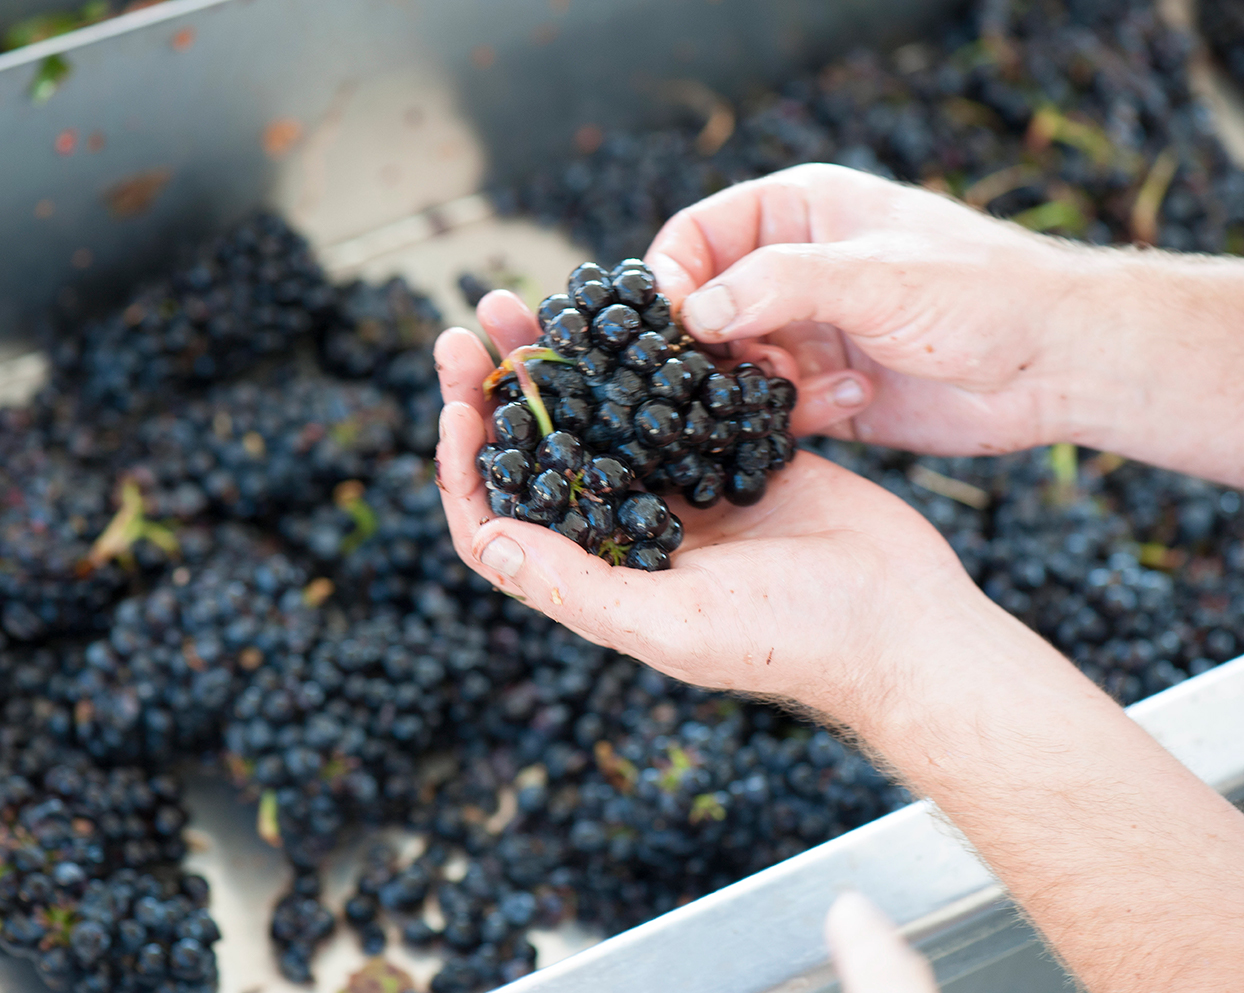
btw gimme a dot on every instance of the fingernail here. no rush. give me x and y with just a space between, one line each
848 393
710 310
503 554
440 425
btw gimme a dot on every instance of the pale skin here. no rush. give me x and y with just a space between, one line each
912 321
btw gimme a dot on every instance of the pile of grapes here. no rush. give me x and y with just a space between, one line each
1222 26
222 544
255 576
614 393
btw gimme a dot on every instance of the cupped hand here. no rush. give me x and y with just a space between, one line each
813 594
913 320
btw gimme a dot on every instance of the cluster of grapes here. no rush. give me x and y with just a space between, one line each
614 394
89 885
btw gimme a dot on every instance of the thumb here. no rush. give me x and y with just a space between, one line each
869 953
849 285
615 607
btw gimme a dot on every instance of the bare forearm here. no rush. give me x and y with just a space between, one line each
1159 342
1132 868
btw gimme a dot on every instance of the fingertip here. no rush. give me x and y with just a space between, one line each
868 951
507 320
829 400
672 279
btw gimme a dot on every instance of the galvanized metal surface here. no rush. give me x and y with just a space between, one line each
372 124
348 114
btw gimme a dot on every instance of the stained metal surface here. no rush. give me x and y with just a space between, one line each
347 114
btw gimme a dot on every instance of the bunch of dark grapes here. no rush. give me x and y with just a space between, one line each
252 450
614 395
1053 114
248 295
89 884
383 337
52 508
1222 25
387 541
175 658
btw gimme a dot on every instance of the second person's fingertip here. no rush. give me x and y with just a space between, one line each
711 310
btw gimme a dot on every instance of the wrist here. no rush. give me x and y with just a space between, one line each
1152 357
932 648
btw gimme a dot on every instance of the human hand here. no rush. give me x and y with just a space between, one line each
912 321
812 594
868 952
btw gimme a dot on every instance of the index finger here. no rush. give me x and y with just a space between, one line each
809 203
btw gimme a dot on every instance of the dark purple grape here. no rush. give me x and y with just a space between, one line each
643 515
782 394
639 457
525 510
508 390
752 456
502 504
626 264
656 315
589 272
548 491
645 354
697 424
670 382
659 482
592 297
516 426
657 423
574 526
556 379
569 333
781 449
686 469
754 424
605 475
721 437
613 421
635 287
625 386
720 393
572 414
550 307
753 387
615 327
708 490
745 488
483 459
510 470
671 538
699 365
596 364
648 557
561 451
599 515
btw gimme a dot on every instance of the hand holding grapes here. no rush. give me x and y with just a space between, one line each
753 589
932 327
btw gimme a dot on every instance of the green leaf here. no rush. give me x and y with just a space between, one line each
269 825
707 806
1053 215
52 71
